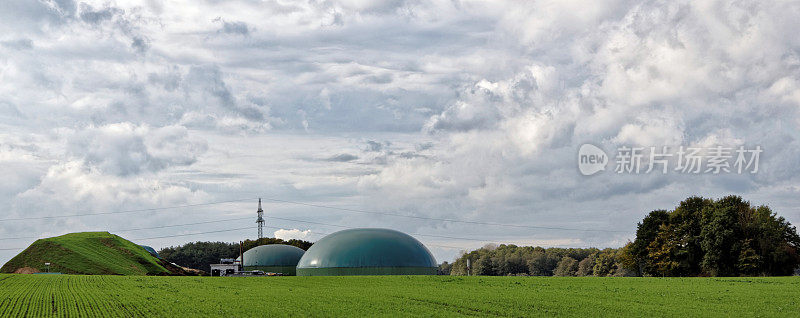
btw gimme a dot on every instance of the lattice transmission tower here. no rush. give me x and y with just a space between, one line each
260 220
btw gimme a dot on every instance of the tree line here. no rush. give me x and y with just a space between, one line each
512 260
199 255
700 237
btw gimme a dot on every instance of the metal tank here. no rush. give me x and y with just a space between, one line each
367 252
274 258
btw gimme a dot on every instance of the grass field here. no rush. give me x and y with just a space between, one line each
117 296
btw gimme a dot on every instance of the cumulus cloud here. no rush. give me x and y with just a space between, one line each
72 185
292 234
126 149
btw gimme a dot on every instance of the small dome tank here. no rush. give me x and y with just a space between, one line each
275 258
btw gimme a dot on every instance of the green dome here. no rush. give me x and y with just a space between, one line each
276 258
367 252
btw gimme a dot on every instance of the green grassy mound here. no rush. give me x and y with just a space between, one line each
89 253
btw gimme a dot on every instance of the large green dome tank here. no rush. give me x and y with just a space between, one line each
275 258
367 252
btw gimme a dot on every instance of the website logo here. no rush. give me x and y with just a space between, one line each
591 159
687 160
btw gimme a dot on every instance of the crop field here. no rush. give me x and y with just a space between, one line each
136 296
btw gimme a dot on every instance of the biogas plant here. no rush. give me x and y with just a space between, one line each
361 251
366 251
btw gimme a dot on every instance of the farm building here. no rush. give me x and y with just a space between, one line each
226 267
367 252
275 258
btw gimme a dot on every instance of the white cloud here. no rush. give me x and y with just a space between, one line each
293 234
73 185
126 149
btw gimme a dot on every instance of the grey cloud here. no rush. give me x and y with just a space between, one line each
423 146
345 157
282 8
410 154
19 44
140 44
91 16
170 81
124 149
157 6
10 110
374 146
380 79
381 7
25 16
338 19
235 27
208 79
68 7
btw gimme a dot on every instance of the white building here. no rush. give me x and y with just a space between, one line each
226 267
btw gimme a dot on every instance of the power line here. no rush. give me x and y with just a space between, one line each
318 206
322 233
21 248
185 224
218 231
18 238
123 211
273 227
294 220
445 246
352 227
414 234
166 236
142 228
190 234
442 219
157 237
273 217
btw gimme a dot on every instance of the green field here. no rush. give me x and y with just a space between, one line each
119 296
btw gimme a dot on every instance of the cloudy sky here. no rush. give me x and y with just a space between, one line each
460 110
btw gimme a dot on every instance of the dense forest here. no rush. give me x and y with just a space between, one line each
199 255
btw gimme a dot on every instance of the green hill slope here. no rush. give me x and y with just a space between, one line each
89 253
